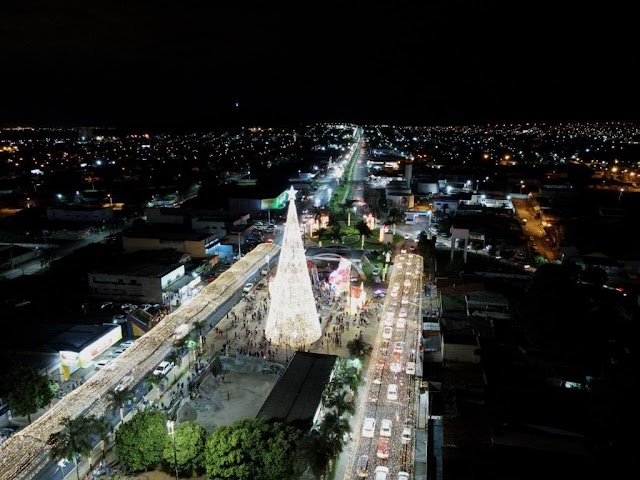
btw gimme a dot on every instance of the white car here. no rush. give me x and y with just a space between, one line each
406 435
388 321
381 473
392 392
102 363
400 324
368 427
264 271
385 428
398 347
127 343
163 368
407 283
116 352
387 333
403 476
247 288
403 312
395 367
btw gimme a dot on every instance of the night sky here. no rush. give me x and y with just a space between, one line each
187 63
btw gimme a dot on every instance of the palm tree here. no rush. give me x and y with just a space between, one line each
151 381
321 233
394 215
73 441
314 453
317 213
335 233
103 429
176 354
363 228
340 403
118 400
333 428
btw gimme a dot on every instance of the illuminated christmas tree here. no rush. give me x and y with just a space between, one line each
293 318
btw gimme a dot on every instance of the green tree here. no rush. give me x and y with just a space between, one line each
118 400
363 228
28 391
191 440
73 440
252 449
140 443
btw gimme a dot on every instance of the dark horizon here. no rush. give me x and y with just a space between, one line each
163 65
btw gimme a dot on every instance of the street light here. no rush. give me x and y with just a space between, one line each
172 432
620 196
110 200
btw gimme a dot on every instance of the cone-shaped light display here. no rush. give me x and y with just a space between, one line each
293 317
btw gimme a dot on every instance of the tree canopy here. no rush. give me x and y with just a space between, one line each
190 444
28 391
252 449
140 442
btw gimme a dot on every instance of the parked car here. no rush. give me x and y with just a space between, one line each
403 476
264 271
102 363
247 288
116 352
163 368
127 343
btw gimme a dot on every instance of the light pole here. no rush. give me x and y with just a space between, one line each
172 432
110 200
620 196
